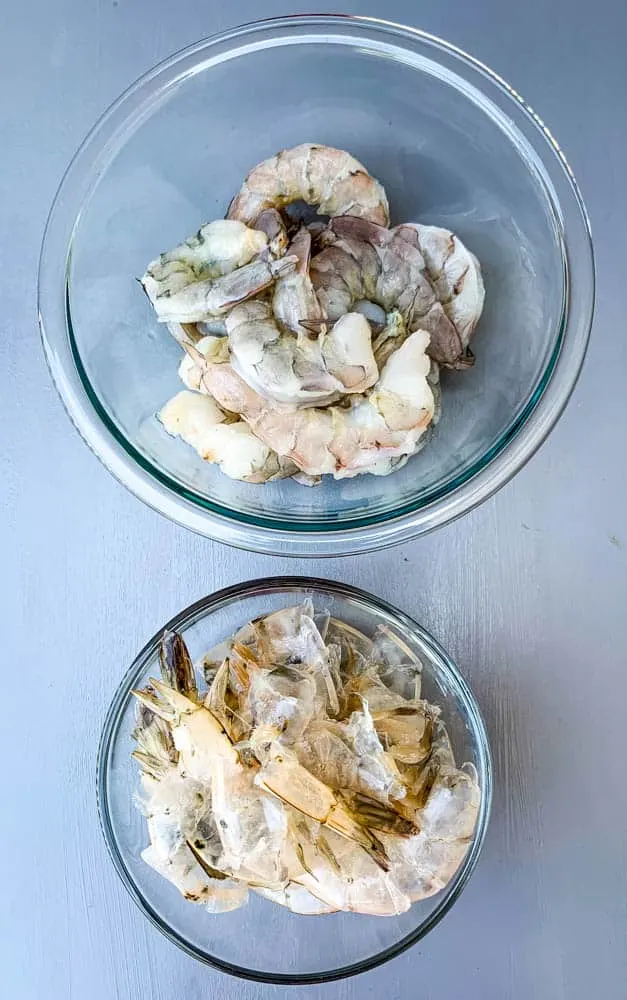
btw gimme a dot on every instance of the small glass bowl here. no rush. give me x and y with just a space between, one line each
264 941
454 146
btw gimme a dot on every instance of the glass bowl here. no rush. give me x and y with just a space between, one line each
454 146
244 942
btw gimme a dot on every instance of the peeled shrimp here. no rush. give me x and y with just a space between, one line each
273 350
366 261
228 442
263 356
374 434
331 334
215 250
294 300
212 349
271 223
329 178
209 298
294 369
455 273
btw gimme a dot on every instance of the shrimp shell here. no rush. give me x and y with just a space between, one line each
365 813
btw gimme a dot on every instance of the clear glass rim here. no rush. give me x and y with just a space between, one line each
362 533
282 584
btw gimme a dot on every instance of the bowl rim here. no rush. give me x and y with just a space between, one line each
460 494
203 608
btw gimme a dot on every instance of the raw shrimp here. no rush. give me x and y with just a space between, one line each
212 349
329 178
292 368
216 349
346 348
205 300
273 350
318 333
271 223
294 300
374 434
366 261
223 439
455 273
218 248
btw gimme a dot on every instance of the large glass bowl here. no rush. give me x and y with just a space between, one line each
262 940
453 144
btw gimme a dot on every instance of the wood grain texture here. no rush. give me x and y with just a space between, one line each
528 593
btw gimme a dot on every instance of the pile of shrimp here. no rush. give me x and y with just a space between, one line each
306 768
314 349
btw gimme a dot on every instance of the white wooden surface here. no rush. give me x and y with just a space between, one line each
528 593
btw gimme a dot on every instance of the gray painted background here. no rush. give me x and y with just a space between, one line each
528 593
